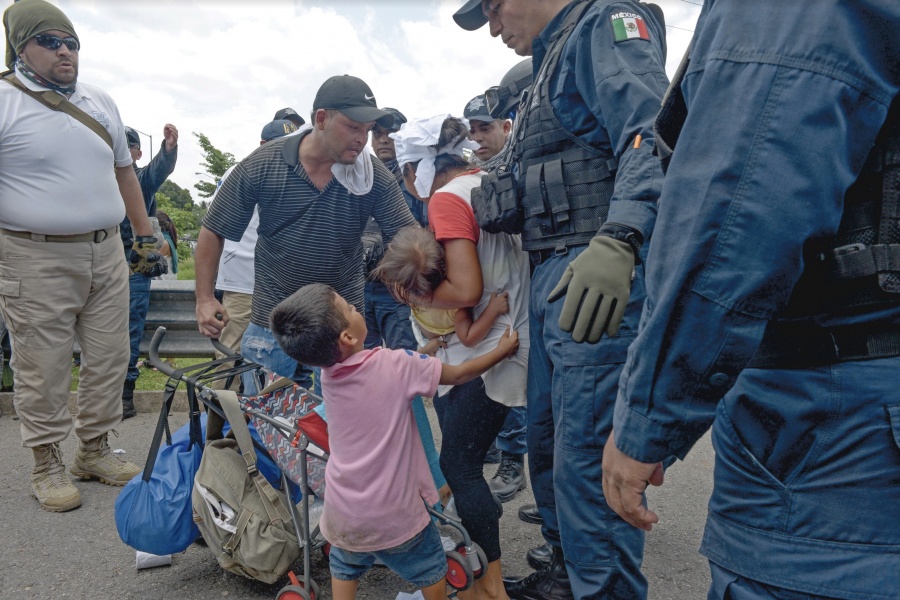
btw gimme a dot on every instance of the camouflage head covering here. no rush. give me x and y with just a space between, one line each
25 19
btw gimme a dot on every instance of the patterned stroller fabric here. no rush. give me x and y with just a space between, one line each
294 404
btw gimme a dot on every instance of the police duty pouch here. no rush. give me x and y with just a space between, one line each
495 204
153 511
244 521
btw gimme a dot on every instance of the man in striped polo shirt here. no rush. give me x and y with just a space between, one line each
315 191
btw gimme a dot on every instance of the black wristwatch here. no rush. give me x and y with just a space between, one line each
626 234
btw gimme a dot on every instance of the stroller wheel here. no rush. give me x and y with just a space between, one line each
459 575
293 592
482 558
296 591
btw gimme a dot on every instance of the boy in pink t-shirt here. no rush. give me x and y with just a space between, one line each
377 476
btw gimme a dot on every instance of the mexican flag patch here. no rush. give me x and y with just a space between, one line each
629 26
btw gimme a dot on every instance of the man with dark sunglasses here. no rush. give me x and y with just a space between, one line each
63 180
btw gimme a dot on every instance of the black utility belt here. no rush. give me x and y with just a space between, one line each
804 346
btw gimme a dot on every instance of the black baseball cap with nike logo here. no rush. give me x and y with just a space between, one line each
352 97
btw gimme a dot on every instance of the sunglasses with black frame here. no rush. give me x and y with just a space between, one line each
53 42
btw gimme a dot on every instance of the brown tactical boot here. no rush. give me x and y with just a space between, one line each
95 461
49 483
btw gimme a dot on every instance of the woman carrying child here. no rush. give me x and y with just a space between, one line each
478 266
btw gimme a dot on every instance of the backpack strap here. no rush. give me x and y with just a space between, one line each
278 384
232 408
55 101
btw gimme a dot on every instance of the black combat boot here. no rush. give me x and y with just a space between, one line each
550 583
539 557
128 409
530 514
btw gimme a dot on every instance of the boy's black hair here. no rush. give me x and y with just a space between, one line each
307 325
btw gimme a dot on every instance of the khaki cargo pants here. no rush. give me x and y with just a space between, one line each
51 293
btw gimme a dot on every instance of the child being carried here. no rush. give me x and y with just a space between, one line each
412 268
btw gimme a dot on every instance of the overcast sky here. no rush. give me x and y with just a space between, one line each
224 67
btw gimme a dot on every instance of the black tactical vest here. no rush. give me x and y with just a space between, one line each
855 272
564 185
858 270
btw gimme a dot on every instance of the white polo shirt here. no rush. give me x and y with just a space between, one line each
56 175
236 268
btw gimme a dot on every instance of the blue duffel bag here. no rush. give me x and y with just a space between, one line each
153 510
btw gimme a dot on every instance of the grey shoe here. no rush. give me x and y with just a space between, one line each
510 477
95 461
54 491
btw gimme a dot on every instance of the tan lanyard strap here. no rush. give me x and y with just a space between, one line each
56 101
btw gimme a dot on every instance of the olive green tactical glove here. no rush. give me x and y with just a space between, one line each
596 285
144 257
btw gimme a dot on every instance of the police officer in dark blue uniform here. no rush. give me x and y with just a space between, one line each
773 308
581 189
150 177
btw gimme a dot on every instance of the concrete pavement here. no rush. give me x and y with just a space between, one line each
78 555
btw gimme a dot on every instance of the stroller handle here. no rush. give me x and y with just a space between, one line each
220 347
164 367
153 353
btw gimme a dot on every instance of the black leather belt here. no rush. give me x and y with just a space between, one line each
802 346
92 236
545 254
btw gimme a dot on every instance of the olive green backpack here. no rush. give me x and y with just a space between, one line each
243 520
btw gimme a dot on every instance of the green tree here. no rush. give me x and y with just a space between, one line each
180 197
215 164
186 220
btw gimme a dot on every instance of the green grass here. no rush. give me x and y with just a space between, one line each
186 269
149 379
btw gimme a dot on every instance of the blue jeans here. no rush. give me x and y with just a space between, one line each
469 423
511 438
572 391
420 560
138 305
259 346
388 320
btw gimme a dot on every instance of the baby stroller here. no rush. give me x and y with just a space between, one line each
295 438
